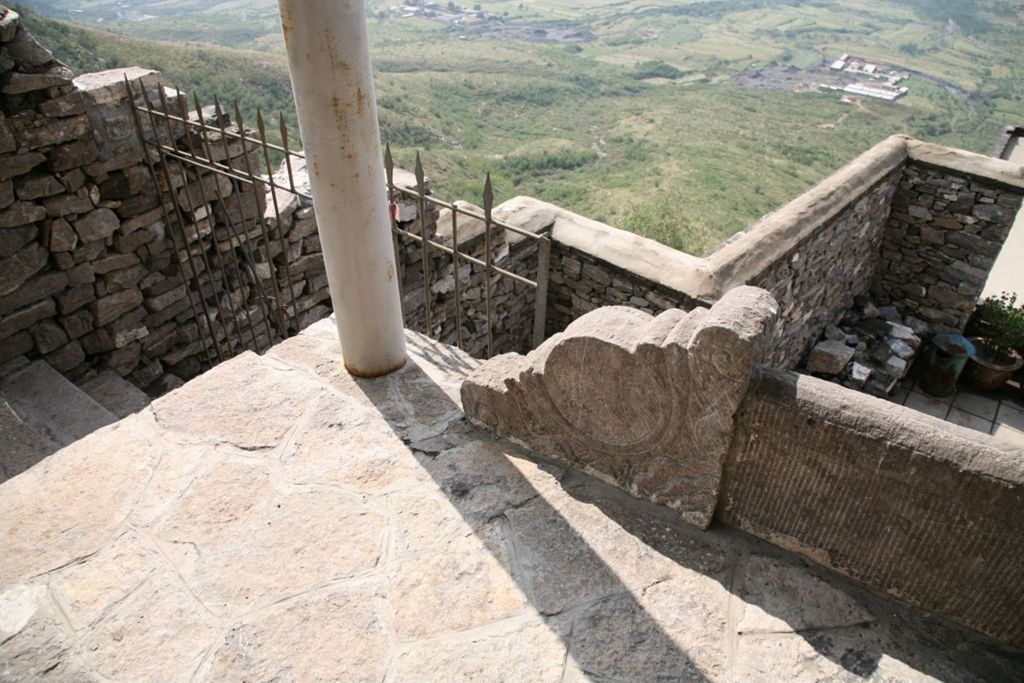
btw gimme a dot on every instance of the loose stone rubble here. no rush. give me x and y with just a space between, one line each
870 350
644 402
277 519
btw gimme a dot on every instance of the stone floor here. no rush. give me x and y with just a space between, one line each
1000 415
274 520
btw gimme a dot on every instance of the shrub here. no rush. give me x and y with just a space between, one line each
656 69
1001 320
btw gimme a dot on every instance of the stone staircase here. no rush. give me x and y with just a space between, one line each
41 412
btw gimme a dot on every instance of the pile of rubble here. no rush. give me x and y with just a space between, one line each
870 350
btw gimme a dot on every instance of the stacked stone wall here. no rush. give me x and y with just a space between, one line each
108 263
76 238
512 303
817 279
581 282
942 239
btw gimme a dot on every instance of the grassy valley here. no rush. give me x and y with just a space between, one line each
683 121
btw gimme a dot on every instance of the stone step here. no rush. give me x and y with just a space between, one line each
115 394
21 447
52 405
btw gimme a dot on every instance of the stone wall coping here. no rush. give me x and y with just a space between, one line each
894 424
742 258
632 253
403 179
968 163
471 229
770 238
1008 134
106 87
739 260
407 179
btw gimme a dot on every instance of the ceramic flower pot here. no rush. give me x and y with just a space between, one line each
990 367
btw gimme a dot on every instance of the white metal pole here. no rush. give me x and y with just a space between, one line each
329 60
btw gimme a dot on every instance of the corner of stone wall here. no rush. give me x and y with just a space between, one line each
951 213
814 255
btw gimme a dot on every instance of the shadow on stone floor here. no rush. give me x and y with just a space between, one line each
627 621
858 628
534 529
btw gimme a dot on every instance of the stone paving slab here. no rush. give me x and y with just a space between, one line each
276 520
21 447
50 404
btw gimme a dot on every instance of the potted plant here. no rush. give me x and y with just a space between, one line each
999 322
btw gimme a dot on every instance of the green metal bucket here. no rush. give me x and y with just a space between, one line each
948 356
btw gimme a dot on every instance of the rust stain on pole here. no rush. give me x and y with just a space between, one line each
370 374
286 21
337 117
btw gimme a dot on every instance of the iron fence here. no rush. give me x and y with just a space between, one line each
231 215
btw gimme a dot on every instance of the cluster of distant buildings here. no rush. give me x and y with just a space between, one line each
454 15
884 83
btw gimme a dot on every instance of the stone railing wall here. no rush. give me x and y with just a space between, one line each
848 235
675 410
917 507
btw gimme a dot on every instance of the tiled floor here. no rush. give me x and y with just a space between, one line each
996 414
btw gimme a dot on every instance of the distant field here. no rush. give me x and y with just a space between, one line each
645 127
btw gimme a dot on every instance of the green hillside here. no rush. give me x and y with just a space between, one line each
253 79
683 121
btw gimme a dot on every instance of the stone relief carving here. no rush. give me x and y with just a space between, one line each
645 403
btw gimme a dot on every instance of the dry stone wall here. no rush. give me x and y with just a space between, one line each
75 244
582 282
944 234
512 303
109 263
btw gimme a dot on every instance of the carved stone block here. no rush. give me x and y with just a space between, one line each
645 403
